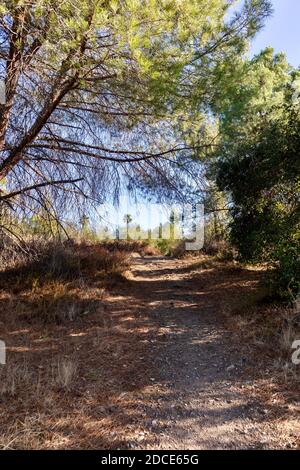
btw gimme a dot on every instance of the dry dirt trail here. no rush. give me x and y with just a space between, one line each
201 391
156 364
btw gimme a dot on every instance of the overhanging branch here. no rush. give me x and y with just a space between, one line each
37 186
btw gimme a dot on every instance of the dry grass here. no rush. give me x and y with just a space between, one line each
269 331
79 343
13 378
71 350
264 329
66 373
49 282
19 376
61 260
144 248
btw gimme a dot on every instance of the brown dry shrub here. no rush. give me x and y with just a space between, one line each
54 302
62 260
178 250
44 284
100 258
221 249
142 247
270 329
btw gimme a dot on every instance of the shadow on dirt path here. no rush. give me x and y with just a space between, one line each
156 366
197 397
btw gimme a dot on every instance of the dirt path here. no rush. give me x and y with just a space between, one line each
155 365
201 392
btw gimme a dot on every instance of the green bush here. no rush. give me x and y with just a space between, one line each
263 180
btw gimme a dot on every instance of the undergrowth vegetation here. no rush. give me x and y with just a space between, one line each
49 280
55 259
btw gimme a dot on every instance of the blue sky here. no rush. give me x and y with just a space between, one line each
282 31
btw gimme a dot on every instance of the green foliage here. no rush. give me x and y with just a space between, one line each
287 254
260 169
88 70
251 95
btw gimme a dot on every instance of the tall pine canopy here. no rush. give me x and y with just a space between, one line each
100 92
